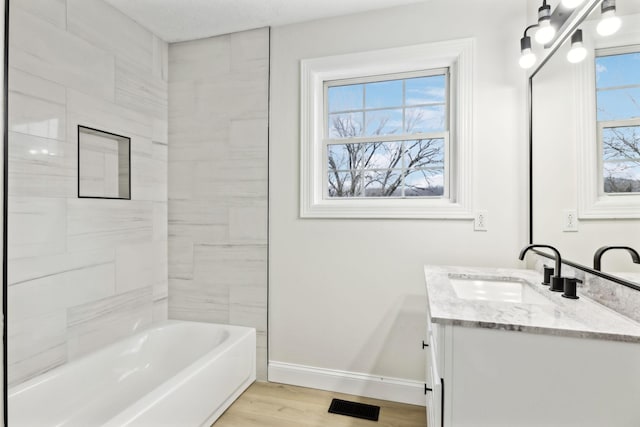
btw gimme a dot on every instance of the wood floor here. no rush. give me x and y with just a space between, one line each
279 405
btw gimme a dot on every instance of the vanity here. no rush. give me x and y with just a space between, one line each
503 350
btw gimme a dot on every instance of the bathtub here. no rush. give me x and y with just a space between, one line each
176 373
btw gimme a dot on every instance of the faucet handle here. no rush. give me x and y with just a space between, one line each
557 284
570 285
548 272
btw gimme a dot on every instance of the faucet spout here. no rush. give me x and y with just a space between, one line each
558 258
597 257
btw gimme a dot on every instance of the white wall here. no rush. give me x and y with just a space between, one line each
349 294
82 272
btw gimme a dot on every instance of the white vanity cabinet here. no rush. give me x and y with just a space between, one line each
533 366
509 378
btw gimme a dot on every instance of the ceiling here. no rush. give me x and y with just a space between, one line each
179 20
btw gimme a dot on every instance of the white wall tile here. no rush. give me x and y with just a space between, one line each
107 28
52 11
34 86
37 117
160 130
248 225
250 50
41 167
160 310
134 267
230 265
160 171
190 300
61 290
38 226
160 55
99 323
83 272
64 58
105 115
160 221
38 344
248 306
160 266
218 150
25 269
202 59
180 258
95 223
139 90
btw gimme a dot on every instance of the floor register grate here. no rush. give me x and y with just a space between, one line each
354 409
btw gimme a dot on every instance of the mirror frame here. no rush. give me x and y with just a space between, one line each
566 24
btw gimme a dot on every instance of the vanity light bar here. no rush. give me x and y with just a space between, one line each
547 29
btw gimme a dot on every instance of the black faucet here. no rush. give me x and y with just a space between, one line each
597 257
557 281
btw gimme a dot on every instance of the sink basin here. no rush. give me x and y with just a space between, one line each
486 289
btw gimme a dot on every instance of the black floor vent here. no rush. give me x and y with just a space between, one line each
354 409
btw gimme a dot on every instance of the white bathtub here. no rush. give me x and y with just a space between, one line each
177 374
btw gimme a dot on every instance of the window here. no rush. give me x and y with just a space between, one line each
608 131
618 118
387 134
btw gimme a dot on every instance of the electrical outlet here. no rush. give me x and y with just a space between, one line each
481 221
569 220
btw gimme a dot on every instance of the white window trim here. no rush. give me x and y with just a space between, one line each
455 54
592 202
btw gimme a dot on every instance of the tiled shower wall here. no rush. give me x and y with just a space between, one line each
218 133
82 272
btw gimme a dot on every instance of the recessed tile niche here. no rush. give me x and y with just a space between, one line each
104 164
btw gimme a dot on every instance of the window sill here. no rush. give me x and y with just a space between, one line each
392 209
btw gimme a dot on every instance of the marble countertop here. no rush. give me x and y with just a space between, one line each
582 318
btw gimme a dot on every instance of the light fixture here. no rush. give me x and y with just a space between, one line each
609 23
577 52
545 32
527 57
571 4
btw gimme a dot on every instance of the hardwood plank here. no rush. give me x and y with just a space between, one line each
280 405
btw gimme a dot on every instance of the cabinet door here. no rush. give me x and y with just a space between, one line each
433 374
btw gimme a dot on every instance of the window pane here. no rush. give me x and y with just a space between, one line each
383 122
383 94
622 177
424 152
621 143
343 156
425 119
382 155
385 183
619 104
345 98
425 90
424 182
346 125
345 184
618 70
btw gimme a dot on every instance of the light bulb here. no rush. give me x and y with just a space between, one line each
527 59
609 23
577 52
571 4
545 32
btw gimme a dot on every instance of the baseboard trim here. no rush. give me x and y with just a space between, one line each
385 388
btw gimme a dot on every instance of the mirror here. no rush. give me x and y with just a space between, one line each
585 146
